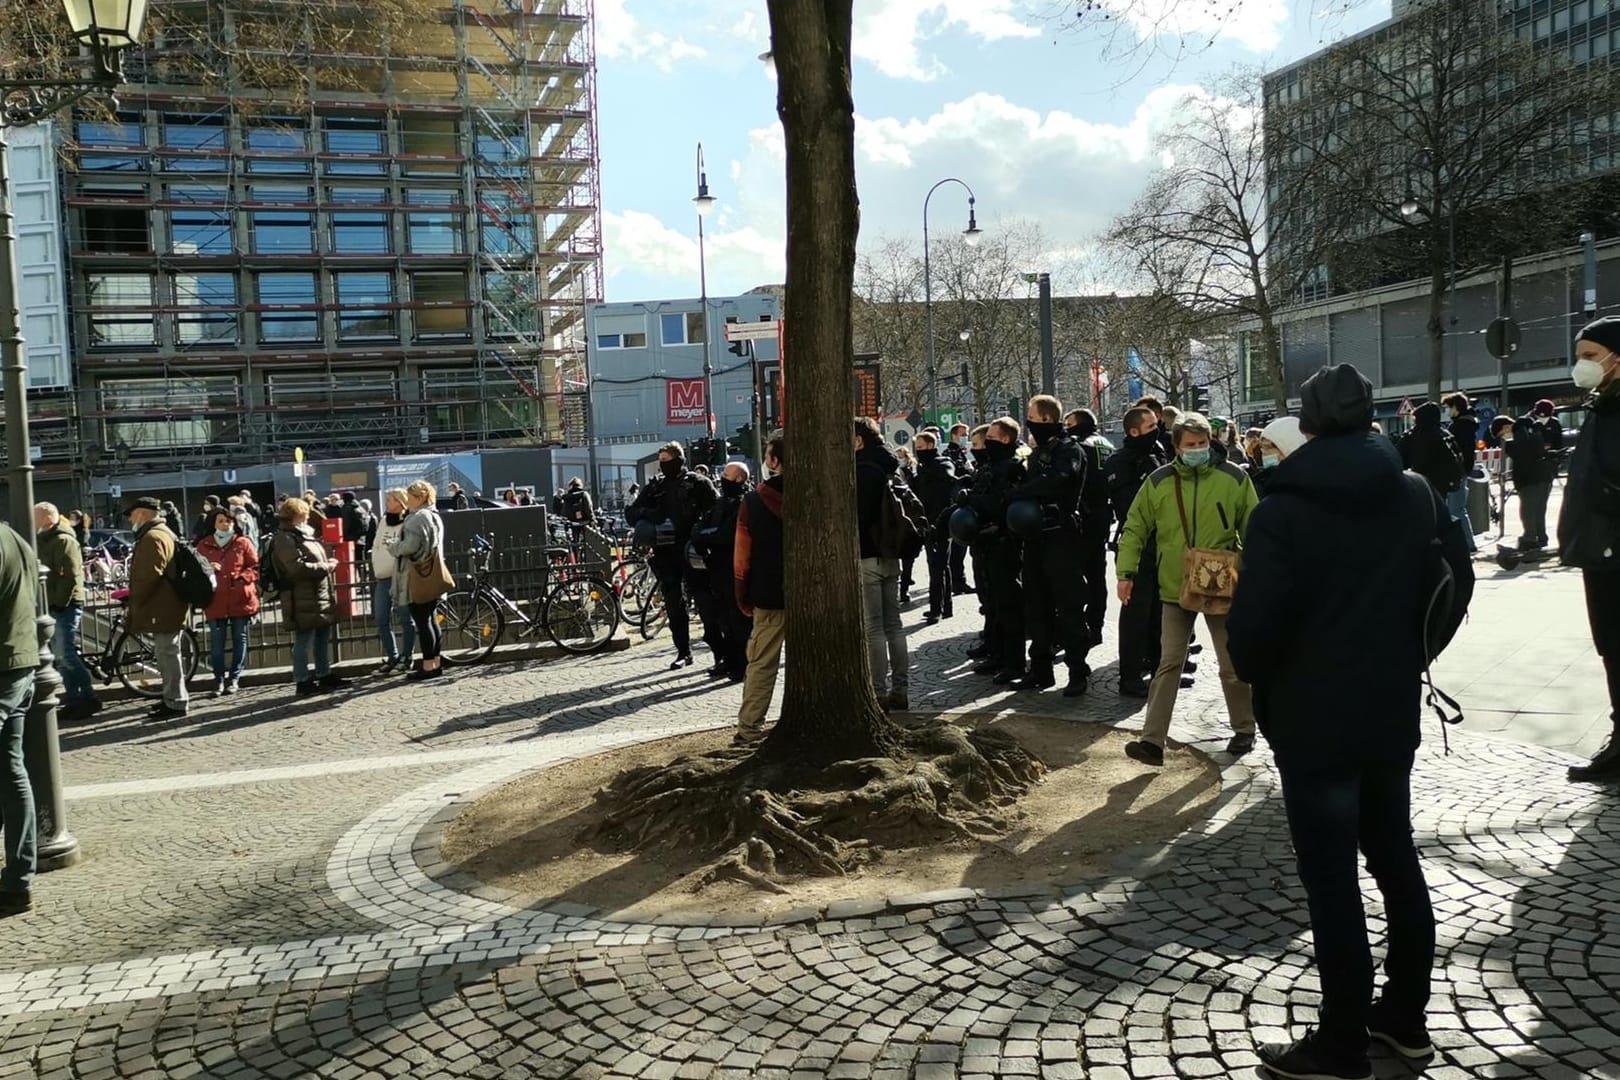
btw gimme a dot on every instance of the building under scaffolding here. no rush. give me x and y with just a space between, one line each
399 263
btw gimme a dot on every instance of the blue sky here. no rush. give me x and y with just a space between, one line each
1040 119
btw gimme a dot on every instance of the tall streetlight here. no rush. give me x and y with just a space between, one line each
970 236
704 203
104 28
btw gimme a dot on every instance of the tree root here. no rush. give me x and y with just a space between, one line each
943 783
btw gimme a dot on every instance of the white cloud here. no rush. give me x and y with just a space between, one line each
889 33
737 258
621 36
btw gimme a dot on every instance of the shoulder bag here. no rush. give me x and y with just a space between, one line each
1208 575
430 578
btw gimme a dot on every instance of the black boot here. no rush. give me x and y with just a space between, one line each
1605 764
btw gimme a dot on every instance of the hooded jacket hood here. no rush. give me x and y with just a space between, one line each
1336 399
1349 472
1427 417
878 456
770 494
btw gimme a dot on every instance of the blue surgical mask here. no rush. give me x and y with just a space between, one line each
1270 461
1195 459
223 538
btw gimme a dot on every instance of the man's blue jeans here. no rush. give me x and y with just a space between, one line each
77 685
318 641
237 626
382 609
16 794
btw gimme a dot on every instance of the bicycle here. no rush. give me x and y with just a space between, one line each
113 651
579 613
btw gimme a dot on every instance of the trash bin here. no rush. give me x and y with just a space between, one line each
1479 503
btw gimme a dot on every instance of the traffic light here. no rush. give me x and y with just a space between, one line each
736 348
1200 399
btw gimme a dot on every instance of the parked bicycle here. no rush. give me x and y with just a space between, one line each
579 613
112 650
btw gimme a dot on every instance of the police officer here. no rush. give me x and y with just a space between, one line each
1000 552
957 450
936 484
1095 518
1054 580
672 503
1140 620
725 627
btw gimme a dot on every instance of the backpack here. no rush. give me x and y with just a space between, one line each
1446 598
269 577
1448 469
902 525
191 576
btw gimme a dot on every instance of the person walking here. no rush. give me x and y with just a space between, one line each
1189 503
155 607
1140 622
760 594
419 551
667 510
19 662
1337 686
877 471
305 571
936 485
1589 521
384 610
458 498
235 560
63 560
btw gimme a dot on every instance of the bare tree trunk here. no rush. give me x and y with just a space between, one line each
1276 371
1437 327
829 712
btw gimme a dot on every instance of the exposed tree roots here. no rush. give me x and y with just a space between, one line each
760 814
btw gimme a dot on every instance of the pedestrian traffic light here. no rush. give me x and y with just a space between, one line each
1200 399
736 348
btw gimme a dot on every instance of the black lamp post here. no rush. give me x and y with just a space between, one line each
104 28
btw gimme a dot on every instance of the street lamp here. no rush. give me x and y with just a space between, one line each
1411 209
704 203
970 237
105 28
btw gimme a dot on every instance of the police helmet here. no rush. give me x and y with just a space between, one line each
964 524
1024 518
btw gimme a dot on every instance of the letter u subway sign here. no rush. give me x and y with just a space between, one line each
685 401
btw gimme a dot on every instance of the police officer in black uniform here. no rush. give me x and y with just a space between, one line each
1054 580
999 553
1140 620
672 503
1096 521
956 449
936 485
725 627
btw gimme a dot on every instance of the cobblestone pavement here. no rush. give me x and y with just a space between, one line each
256 901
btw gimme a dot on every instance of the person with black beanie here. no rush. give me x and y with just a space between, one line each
1329 626
1589 522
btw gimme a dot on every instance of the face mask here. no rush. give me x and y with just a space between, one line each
223 538
670 469
1588 374
927 455
981 456
1044 432
732 489
998 450
1269 461
1195 459
1145 441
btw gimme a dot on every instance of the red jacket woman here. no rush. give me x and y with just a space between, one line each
236 576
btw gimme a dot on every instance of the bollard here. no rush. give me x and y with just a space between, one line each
42 755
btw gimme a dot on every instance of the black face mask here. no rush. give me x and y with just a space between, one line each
1143 442
732 489
999 451
981 456
670 469
926 455
1044 432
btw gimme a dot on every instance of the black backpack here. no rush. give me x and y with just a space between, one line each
269 579
902 525
191 576
1447 594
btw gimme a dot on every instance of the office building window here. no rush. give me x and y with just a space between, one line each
417 196
621 341
202 194
357 196
681 328
204 136
120 307
200 231
434 234
358 136
213 318
294 299
283 232
299 194
444 310
515 297
359 233
163 414
364 305
119 132
283 137
429 140
114 228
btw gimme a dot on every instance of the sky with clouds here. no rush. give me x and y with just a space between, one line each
1046 121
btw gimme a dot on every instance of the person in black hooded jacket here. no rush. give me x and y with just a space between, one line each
1589 522
678 499
1328 626
875 470
936 484
1429 450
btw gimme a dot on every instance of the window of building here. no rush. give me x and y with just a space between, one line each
214 318
358 136
164 414
446 310
121 229
431 141
364 301
434 234
294 298
118 132
120 307
681 328
282 193
203 135
283 232
198 193
89 162
621 341
357 196
197 230
418 196
515 298
355 233
284 137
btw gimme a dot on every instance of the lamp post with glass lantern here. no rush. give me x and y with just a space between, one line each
970 236
103 29
704 203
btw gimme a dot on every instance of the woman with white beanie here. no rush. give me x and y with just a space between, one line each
1278 439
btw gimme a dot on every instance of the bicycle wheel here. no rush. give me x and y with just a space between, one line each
132 660
633 592
190 654
581 615
653 616
471 625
